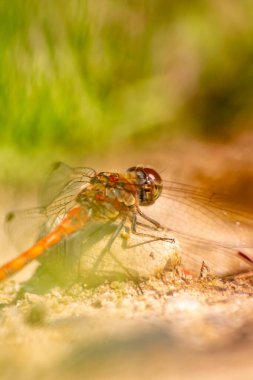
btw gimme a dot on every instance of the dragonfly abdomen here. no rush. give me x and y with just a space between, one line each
73 222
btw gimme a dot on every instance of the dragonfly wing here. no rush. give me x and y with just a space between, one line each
208 227
221 260
57 197
64 180
203 215
23 226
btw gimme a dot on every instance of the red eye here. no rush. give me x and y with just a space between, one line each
153 175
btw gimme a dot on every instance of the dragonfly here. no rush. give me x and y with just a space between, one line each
207 225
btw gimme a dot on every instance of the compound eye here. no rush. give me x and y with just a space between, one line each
153 175
155 183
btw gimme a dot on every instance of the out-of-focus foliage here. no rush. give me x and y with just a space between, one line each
80 76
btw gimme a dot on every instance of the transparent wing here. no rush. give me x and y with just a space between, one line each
23 226
58 196
64 181
196 213
221 260
208 226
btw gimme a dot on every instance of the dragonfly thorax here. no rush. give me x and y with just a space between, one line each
149 184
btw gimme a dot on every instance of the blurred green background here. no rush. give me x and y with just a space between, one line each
80 78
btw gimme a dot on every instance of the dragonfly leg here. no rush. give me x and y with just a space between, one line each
109 244
134 224
107 248
151 220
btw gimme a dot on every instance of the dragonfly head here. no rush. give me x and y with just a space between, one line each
149 184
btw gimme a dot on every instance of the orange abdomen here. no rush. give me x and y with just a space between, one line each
74 221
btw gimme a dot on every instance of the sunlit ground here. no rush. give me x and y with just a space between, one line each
110 85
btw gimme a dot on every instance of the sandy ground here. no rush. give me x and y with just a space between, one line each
171 326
